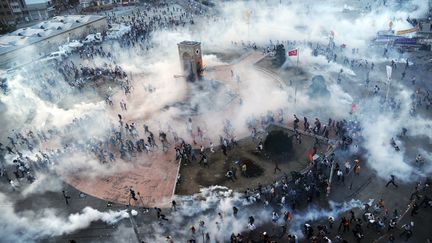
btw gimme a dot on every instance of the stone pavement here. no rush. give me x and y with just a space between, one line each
366 186
153 178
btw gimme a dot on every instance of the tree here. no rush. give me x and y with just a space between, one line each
280 56
4 29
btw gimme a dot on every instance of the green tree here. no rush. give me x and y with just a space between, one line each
280 56
4 29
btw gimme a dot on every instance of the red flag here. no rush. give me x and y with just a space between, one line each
353 107
310 155
293 53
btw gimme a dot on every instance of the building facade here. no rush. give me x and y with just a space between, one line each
32 43
13 12
39 10
10 11
100 3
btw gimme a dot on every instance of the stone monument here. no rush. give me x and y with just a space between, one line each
191 59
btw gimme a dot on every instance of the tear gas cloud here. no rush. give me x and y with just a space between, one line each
265 21
314 214
380 126
43 183
26 108
30 226
206 206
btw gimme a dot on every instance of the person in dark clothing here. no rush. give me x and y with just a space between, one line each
305 123
234 172
251 219
132 194
392 181
415 208
174 205
224 150
66 197
235 211
296 122
276 168
345 224
230 176
407 230
352 218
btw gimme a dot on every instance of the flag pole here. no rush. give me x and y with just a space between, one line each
295 97
248 23
388 88
389 79
298 57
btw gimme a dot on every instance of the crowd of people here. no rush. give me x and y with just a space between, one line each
81 71
125 140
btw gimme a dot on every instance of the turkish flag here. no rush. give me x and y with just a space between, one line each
293 53
353 107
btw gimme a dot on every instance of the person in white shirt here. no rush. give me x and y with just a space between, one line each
13 185
211 147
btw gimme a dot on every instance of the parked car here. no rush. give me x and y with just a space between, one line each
117 31
57 55
93 38
71 46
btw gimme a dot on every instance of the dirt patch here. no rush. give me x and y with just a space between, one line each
260 165
252 169
214 176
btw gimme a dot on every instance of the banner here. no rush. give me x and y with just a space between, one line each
389 72
407 31
247 14
353 107
293 53
405 41
310 155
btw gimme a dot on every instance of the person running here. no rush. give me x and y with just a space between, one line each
392 181
66 197
132 194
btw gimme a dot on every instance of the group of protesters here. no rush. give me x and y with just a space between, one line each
126 140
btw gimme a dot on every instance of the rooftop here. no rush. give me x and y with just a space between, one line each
43 30
189 43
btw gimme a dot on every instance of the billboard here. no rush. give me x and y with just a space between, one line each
407 31
405 41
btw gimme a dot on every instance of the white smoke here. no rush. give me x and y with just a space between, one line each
306 20
31 226
42 184
313 214
205 206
